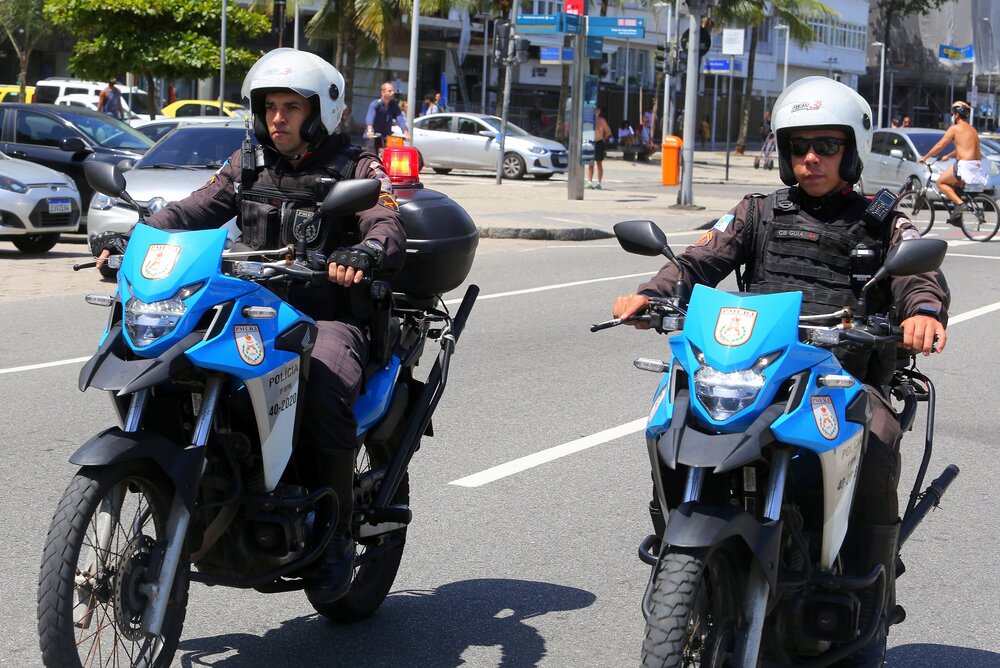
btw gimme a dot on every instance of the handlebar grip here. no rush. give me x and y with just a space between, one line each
605 325
85 265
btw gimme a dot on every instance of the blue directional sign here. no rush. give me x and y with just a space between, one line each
613 26
721 66
538 24
595 47
550 55
572 23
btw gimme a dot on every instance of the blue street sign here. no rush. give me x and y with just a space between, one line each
721 66
550 55
612 26
595 47
572 23
538 24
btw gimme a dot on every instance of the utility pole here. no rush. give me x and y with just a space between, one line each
696 9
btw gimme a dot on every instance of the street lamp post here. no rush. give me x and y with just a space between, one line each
830 62
881 81
784 78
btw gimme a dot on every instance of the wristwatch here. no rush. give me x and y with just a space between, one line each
930 312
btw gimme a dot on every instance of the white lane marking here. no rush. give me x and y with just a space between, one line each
538 458
975 257
545 288
974 313
32 367
529 461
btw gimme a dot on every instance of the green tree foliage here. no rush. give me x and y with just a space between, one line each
174 39
25 26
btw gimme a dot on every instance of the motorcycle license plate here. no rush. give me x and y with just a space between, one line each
60 206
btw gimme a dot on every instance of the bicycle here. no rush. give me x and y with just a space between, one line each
979 222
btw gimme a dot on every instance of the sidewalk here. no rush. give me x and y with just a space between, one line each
533 209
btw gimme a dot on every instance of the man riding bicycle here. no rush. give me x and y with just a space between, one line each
969 168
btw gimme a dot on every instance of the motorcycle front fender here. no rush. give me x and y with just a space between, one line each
695 528
113 446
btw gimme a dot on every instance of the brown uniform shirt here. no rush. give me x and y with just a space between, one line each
728 245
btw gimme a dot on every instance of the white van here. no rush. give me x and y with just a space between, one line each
47 91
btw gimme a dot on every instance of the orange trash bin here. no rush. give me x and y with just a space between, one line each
670 160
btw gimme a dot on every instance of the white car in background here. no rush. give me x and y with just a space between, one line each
177 165
450 141
37 204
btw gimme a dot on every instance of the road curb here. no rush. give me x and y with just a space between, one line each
544 234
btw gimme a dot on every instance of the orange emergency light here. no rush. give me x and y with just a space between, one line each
402 164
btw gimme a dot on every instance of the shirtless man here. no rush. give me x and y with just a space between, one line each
602 133
969 168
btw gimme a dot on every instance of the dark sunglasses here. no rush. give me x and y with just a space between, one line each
825 146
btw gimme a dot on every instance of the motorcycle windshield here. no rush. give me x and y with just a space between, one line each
168 279
738 350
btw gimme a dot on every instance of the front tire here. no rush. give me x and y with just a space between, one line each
981 220
695 612
918 209
377 558
513 166
107 528
35 244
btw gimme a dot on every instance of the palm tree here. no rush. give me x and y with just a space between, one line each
793 13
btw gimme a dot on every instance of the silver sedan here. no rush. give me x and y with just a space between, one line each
36 205
469 141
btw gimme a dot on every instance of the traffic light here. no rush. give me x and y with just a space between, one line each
661 58
500 40
521 49
681 62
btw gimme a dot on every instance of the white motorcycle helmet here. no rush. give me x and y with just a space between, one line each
306 74
816 103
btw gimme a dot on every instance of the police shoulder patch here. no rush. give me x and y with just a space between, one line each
723 223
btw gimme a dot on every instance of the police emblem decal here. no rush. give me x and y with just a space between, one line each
734 326
249 344
826 417
159 261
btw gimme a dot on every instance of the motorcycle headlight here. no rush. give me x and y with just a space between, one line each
724 394
147 322
102 202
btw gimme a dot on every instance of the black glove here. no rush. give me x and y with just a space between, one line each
365 257
113 242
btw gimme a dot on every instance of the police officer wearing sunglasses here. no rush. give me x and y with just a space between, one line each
807 238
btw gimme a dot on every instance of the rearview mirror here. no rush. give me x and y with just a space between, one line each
104 178
488 133
641 237
72 145
351 196
896 153
915 256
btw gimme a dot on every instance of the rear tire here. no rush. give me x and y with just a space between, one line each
544 177
695 612
89 604
756 162
918 209
980 221
442 170
769 164
35 244
373 577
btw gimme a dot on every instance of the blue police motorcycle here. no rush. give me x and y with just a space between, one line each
755 438
206 367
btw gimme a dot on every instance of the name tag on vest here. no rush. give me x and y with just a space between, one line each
804 235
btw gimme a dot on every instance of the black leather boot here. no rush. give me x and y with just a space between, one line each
874 544
335 568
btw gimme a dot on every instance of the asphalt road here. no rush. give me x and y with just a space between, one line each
536 568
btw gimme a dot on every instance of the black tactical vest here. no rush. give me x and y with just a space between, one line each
794 251
276 209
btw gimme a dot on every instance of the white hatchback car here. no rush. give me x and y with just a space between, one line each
449 141
37 204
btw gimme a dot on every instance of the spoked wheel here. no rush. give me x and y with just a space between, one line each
108 528
695 612
377 559
918 210
981 220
